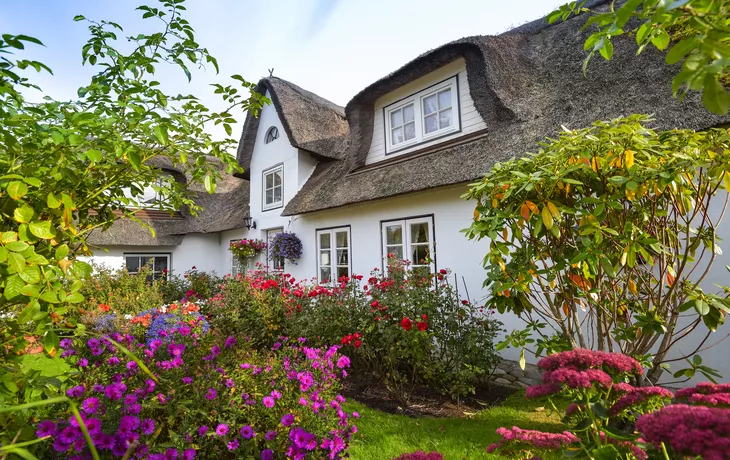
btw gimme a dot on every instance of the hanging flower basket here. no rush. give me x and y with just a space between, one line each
285 245
244 250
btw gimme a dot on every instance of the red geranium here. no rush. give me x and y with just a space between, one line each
406 324
422 326
358 342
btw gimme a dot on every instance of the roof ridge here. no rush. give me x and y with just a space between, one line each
311 95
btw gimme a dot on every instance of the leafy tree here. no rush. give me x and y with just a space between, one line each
602 239
696 31
70 167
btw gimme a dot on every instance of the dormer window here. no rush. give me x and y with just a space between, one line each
423 116
271 135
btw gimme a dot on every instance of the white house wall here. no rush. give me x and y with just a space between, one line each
471 121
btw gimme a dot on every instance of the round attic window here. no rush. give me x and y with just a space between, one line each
272 134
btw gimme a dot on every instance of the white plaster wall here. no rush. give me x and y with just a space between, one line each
197 249
471 121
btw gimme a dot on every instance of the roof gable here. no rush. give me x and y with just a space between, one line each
311 122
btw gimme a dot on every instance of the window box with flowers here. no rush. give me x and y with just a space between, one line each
285 246
246 249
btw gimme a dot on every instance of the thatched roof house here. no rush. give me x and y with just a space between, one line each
525 84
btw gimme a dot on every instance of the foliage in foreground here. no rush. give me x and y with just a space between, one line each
205 398
603 238
402 328
68 168
694 31
612 419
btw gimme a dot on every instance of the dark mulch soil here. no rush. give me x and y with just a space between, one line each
424 401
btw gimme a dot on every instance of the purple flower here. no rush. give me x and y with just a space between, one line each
187 380
188 454
202 430
233 445
133 409
66 343
45 428
132 365
211 394
115 391
269 401
230 341
113 361
343 362
247 432
90 405
69 434
270 435
75 392
222 429
276 394
148 426
267 454
287 420
230 383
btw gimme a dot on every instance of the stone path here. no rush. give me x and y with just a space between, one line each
508 373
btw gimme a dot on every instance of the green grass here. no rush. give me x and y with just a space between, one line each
382 436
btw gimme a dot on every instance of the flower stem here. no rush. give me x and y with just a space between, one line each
664 451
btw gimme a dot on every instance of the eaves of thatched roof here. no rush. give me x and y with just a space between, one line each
525 84
223 210
311 122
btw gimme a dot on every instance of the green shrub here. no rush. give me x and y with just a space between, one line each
403 329
122 292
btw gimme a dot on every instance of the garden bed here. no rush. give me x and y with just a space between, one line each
425 401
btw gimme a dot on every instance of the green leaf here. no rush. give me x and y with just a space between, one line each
680 50
161 134
642 33
23 214
3 254
16 262
134 160
607 452
52 201
17 189
701 307
51 341
31 275
715 97
49 296
94 155
17 246
57 137
42 230
74 297
13 285
607 49
28 312
209 184
34 181
661 39
61 252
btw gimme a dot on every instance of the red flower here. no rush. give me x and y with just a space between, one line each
465 302
422 326
443 271
424 317
406 324
358 342
193 268
374 304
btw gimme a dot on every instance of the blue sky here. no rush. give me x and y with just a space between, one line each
331 47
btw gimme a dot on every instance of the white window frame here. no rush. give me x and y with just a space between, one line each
417 99
274 204
273 265
332 250
235 263
406 245
155 273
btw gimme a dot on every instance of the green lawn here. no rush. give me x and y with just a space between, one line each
382 436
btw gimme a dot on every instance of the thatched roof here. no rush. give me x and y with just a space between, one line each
223 210
311 122
525 84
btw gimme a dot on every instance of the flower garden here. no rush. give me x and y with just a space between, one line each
255 366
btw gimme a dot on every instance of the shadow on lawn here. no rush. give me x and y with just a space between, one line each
383 436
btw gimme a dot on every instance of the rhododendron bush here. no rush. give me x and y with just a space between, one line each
612 419
191 396
402 328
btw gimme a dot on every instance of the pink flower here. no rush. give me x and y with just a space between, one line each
638 396
585 359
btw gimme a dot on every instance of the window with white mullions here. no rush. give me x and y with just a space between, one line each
275 263
402 125
274 187
410 239
437 111
423 116
158 264
333 259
